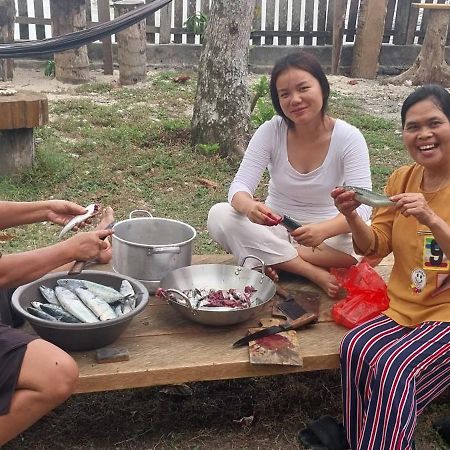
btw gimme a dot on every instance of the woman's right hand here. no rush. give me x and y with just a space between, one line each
345 201
259 213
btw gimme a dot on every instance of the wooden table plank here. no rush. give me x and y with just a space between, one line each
184 357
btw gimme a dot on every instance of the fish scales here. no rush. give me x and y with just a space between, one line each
98 306
71 303
106 293
59 312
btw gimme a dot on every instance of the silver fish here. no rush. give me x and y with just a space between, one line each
49 295
106 293
126 307
99 307
72 304
41 314
118 310
59 313
91 210
126 289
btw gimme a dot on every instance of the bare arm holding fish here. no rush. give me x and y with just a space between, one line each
20 213
347 204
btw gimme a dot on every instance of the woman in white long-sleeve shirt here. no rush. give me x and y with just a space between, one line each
307 154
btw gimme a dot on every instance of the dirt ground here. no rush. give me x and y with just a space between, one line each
248 414
379 99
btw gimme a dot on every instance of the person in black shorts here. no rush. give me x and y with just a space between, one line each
35 375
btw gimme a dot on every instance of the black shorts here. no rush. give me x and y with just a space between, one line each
13 344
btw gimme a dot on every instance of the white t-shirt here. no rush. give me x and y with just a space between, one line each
305 197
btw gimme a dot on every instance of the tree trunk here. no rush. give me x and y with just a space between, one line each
131 46
7 16
221 109
369 35
340 6
430 65
71 66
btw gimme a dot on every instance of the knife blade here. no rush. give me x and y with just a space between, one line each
292 325
290 223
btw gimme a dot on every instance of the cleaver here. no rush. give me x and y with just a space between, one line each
292 307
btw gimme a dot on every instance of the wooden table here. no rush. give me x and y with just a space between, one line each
165 348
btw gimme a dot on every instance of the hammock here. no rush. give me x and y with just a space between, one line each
79 38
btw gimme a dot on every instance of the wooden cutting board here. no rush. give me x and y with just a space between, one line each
281 348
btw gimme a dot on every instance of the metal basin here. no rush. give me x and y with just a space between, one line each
218 276
78 336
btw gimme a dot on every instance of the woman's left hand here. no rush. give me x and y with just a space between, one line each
311 235
414 204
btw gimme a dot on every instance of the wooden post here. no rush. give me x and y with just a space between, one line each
369 35
19 114
338 33
164 24
430 65
7 16
72 66
105 16
131 42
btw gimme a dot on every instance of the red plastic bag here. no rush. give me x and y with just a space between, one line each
366 295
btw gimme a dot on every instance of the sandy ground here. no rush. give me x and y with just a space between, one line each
379 99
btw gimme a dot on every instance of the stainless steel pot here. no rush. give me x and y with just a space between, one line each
148 248
218 276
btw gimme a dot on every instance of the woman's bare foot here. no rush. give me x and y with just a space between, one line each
106 220
327 282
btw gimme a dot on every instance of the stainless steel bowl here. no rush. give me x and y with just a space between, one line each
78 336
218 276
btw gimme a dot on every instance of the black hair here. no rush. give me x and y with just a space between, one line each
303 61
434 92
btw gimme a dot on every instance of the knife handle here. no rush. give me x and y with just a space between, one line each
302 321
77 267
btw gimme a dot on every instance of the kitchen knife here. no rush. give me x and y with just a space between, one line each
294 307
290 223
292 325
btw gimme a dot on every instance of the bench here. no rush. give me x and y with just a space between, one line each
166 349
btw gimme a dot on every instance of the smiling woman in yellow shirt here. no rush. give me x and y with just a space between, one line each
394 365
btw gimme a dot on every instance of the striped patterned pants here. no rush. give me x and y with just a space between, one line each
390 373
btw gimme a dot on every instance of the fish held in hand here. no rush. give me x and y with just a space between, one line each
91 210
368 197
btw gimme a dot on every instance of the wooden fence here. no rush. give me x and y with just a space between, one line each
276 22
